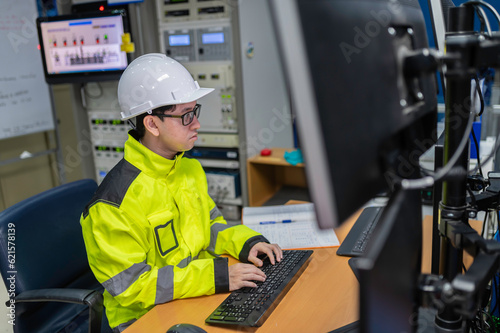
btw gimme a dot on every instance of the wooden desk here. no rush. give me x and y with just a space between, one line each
324 298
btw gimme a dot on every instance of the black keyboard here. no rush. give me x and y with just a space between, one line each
355 243
252 306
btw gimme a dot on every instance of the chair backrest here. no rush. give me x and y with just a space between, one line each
42 238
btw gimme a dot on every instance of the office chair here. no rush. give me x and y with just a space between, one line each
43 263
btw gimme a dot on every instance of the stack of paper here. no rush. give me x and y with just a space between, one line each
289 226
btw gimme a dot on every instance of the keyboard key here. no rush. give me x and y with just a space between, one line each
216 317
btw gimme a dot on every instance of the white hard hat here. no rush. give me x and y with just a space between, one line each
155 80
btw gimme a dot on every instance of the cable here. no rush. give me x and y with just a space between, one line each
481 110
472 196
487 5
480 94
477 152
482 313
492 311
492 154
433 177
490 319
483 19
481 321
484 223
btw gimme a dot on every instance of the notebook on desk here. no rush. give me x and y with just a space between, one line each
290 226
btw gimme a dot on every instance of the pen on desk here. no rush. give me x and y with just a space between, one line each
274 222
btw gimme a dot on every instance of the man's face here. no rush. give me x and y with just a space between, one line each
175 137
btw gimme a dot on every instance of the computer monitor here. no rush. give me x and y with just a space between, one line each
361 119
366 110
83 47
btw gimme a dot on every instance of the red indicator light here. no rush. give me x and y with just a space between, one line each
101 8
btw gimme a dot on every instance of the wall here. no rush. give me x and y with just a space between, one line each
266 104
25 178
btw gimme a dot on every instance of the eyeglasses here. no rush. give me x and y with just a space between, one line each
187 118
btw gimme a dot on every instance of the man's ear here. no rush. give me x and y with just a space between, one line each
150 123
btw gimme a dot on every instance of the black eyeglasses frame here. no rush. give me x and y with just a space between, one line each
194 112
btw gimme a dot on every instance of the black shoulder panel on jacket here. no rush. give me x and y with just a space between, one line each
114 186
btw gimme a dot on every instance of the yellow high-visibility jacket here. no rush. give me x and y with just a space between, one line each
153 234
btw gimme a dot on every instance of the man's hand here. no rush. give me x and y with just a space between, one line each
243 275
270 249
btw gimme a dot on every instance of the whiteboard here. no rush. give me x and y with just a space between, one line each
25 104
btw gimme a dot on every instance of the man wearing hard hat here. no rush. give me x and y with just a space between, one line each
152 232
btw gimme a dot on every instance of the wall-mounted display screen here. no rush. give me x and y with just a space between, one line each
83 47
179 40
213 38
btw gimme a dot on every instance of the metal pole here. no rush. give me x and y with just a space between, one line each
453 205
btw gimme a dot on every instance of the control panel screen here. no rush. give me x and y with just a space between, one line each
213 38
179 40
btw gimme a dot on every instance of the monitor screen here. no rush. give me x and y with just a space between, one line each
82 47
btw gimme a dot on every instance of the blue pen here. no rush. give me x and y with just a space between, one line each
273 222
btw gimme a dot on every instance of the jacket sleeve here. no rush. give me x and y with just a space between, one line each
233 240
117 250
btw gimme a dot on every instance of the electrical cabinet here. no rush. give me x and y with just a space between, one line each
199 34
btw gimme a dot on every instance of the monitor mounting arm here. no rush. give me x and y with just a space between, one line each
466 293
489 198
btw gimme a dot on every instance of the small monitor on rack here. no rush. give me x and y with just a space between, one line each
84 47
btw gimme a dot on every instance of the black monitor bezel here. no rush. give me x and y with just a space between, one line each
80 77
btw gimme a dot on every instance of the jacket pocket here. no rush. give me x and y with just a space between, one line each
164 232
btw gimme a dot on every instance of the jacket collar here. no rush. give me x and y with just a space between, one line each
148 161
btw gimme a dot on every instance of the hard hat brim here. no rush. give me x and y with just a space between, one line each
199 93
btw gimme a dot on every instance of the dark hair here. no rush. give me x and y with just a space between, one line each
139 120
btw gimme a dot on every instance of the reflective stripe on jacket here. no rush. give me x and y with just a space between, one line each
153 234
